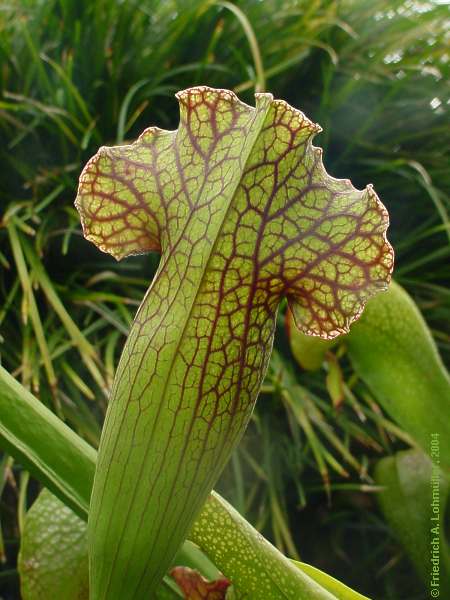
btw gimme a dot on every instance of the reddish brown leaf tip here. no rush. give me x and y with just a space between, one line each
196 587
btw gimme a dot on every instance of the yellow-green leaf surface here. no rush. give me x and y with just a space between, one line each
414 500
53 559
335 587
239 205
393 351
258 569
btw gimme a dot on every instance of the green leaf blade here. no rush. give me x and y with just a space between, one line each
45 445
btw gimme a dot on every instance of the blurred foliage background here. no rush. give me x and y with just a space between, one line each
77 74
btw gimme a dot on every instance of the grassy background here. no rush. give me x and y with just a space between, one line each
76 74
